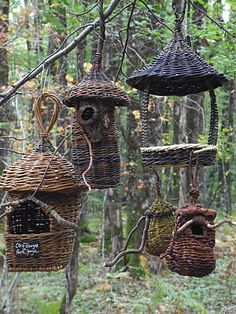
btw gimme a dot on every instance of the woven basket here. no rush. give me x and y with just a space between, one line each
105 168
34 239
161 226
179 155
96 86
177 70
191 251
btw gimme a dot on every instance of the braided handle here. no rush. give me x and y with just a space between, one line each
44 132
144 113
213 131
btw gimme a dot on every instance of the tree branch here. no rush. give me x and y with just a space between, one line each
32 74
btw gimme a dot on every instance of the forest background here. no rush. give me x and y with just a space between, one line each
136 31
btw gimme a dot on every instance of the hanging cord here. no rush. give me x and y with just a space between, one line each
194 193
90 158
144 117
213 131
98 56
179 18
44 132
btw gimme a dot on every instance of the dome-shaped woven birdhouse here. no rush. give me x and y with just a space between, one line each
191 249
45 198
177 70
94 131
161 226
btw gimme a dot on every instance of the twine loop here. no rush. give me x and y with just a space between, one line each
44 132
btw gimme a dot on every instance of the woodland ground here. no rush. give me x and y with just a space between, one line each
139 291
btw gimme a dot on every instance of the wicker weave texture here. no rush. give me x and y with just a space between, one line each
96 86
30 223
177 70
27 173
191 252
178 155
105 170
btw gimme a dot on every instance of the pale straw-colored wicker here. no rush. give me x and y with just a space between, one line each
50 178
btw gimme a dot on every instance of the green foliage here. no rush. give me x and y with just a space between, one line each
47 307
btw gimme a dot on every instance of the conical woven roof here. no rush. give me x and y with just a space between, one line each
96 86
27 173
177 70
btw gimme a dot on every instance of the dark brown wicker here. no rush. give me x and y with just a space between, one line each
191 251
28 226
96 86
161 226
178 155
105 167
177 70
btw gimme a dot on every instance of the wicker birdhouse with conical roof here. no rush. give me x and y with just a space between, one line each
94 128
191 251
45 201
95 148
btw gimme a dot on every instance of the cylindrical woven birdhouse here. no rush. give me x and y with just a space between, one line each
95 146
46 199
191 249
161 226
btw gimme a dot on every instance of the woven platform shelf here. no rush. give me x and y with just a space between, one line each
161 226
191 251
105 167
178 155
98 88
177 70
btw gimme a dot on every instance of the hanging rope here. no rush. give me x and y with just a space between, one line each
179 17
98 56
194 193
144 116
213 131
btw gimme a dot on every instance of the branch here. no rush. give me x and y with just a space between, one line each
225 221
48 61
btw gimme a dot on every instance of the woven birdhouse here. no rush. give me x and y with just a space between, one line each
95 146
178 71
45 201
161 226
191 249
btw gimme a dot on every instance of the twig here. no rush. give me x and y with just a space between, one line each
225 221
131 251
49 60
158 20
210 18
85 12
184 226
15 138
8 298
12 151
126 40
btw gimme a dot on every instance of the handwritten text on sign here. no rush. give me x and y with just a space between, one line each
27 248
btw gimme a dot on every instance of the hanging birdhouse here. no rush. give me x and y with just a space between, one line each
45 201
190 252
161 226
178 71
94 129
